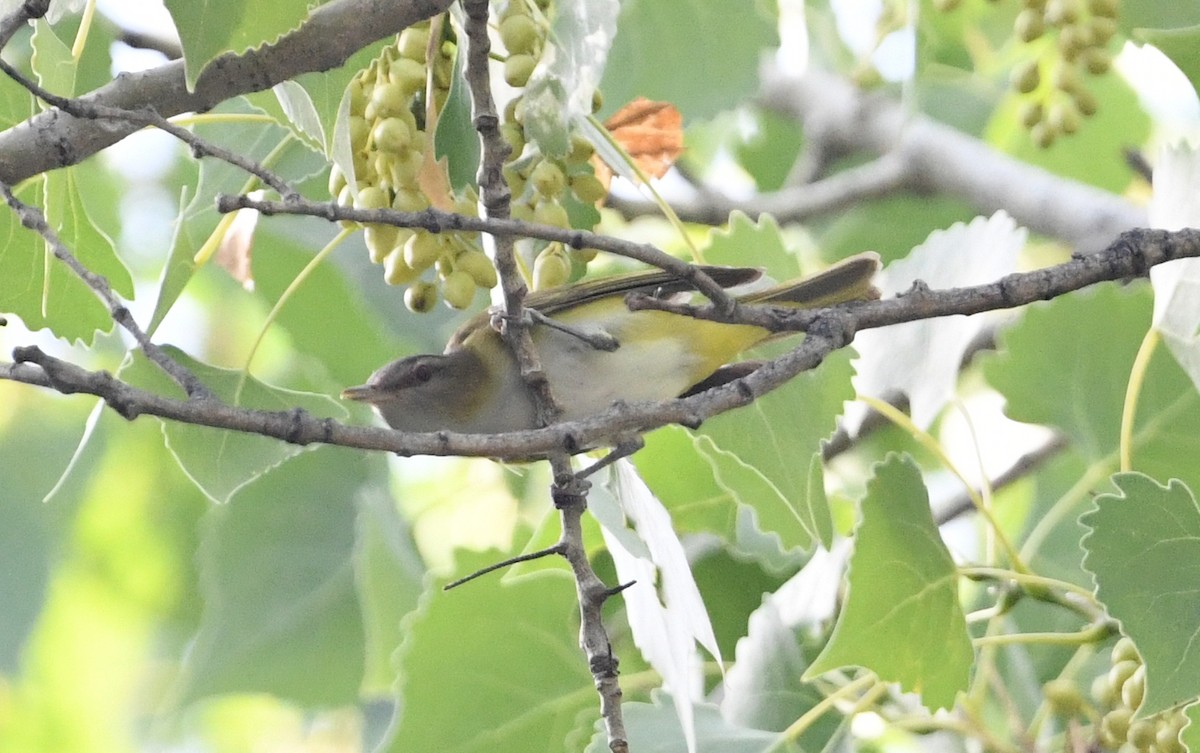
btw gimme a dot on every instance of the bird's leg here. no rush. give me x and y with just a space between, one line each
626 446
598 339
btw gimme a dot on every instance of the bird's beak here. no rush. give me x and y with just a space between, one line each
363 393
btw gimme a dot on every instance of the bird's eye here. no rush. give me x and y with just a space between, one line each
421 372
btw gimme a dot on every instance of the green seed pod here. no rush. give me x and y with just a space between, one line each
581 150
1103 29
551 268
1115 724
514 135
413 42
1134 689
1026 77
518 69
516 181
1086 102
1029 25
359 129
421 297
1097 60
1043 135
380 240
476 264
1031 113
550 212
513 112
548 179
422 250
395 271
1072 41
1166 737
391 135
337 181
1103 692
1141 734
588 188
389 99
521 211
583 255
458 289
1121 671
1061 12
408 77
520 34
371 197
1063 117
1063 696
409 200
1103 8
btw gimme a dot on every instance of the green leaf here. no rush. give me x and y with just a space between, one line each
43 291
1119 121
763 454
51 61
1144 551
1182 46
654 727
210 28
326 318
1067 364
456 138
220 461
389 574
764 690
723 54
1191 733
559 94
282 613
308 104
902 619
199 217
746 243
521 668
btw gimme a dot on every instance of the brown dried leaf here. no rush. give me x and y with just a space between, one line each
236 250
651 133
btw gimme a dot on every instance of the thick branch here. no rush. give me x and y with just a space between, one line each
333 33
1129 256
919 154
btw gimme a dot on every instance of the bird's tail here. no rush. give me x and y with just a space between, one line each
848 280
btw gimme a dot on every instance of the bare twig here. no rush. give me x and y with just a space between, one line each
327 38
1025 465
509 562
916 154
148 117
1129 256
569 491
437 221
24 13
33 219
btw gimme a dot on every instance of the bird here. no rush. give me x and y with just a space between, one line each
594 349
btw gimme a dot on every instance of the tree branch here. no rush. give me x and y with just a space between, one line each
331 34
33 219
1130 256
916 153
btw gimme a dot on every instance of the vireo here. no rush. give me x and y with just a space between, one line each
475 386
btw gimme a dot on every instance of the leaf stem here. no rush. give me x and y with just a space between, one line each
923 438
1137 377
1093 634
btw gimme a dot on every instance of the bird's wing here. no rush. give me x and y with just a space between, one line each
654 282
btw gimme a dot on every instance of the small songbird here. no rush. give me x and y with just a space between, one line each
475 386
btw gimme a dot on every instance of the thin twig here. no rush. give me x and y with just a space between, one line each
438 221
1131 255
547 552
568 491
33 219
148 117
23 14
